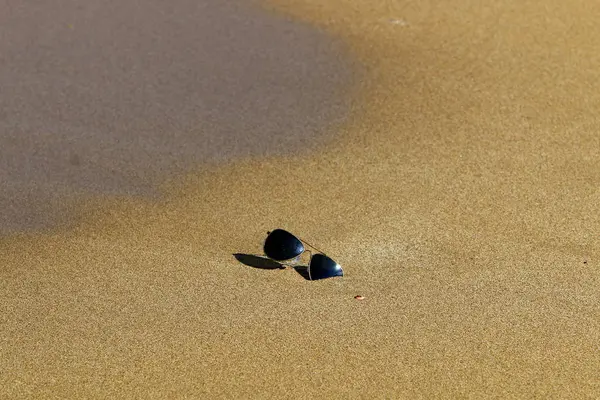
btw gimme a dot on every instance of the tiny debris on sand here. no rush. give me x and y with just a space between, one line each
398 21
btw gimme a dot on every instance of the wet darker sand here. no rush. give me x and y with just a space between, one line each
116 97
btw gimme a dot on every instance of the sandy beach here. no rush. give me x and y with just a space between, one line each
459 191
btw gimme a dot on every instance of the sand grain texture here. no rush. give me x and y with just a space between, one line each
461 198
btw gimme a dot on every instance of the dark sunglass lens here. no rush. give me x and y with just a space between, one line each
282 245
322 267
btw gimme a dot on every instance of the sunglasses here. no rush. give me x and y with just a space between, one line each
281 245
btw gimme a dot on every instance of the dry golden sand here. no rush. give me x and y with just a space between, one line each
462 199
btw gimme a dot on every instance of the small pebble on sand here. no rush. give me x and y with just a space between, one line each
359 297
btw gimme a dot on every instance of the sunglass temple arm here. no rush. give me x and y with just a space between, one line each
311 246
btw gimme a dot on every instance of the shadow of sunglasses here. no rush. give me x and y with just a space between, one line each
282 246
